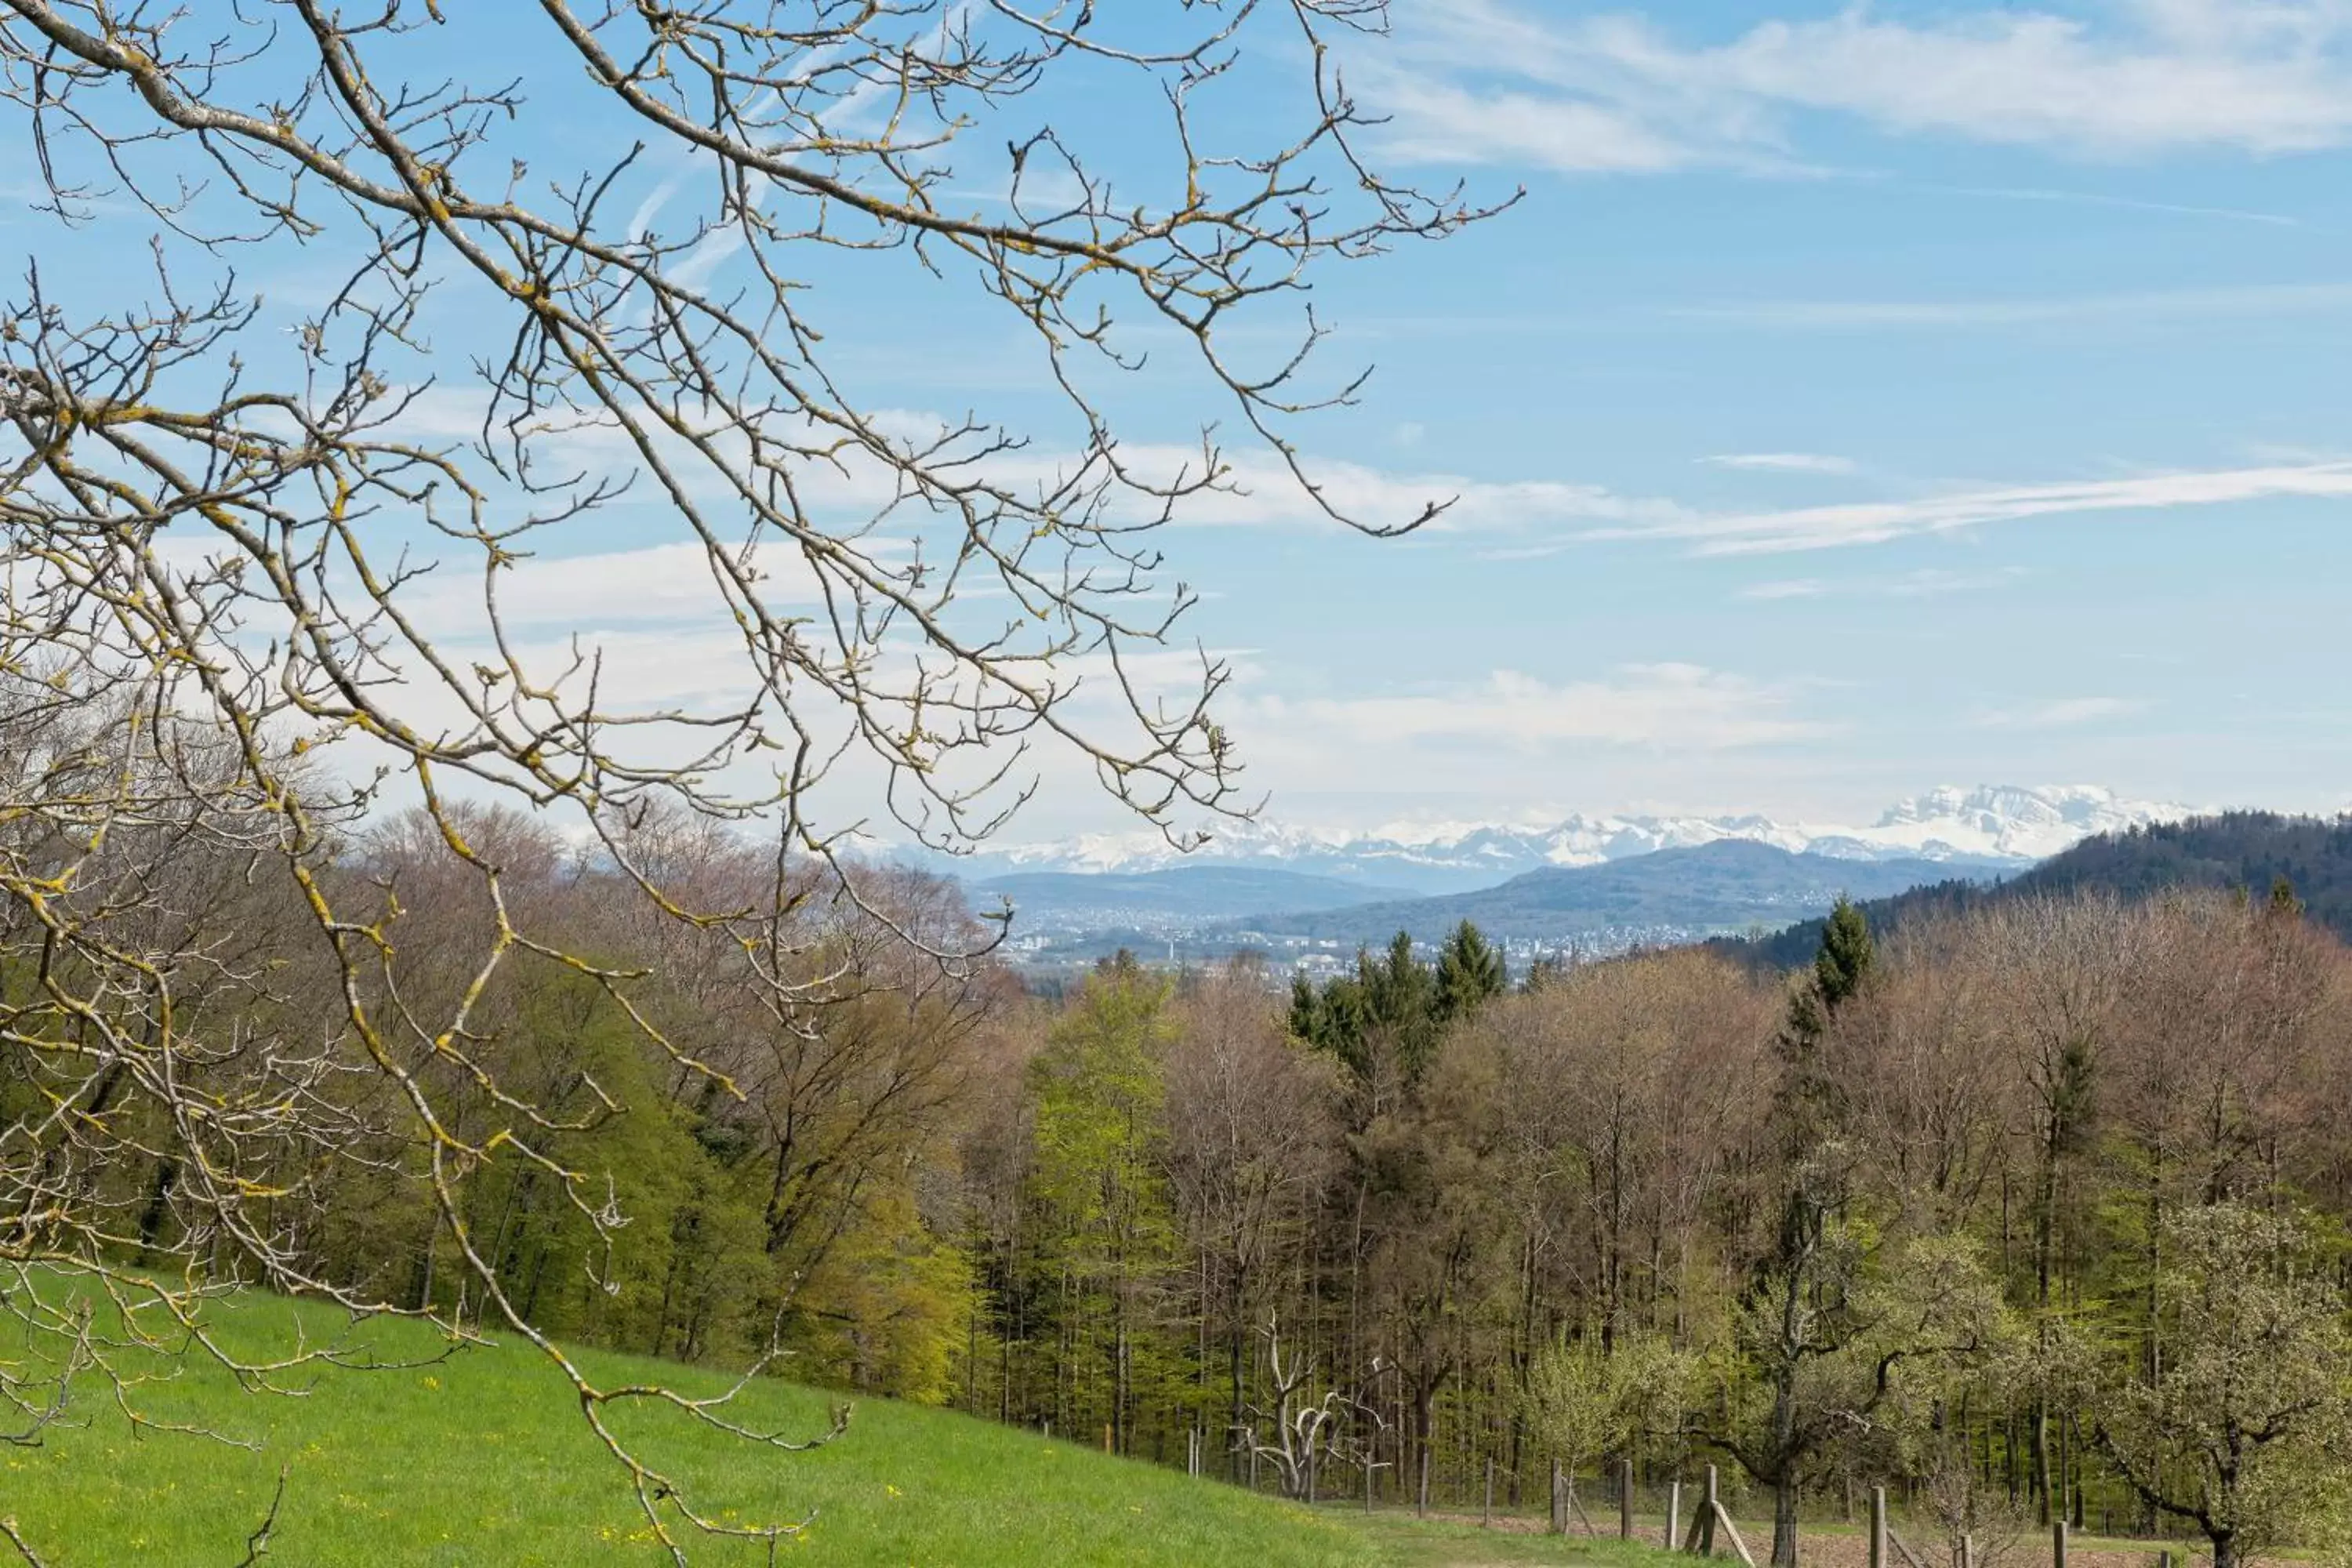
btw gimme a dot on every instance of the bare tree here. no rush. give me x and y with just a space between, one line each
1250 1118
1300 1433
262 552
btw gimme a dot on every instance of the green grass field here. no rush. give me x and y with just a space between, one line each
483 1458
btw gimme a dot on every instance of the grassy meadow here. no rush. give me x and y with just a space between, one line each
482 1457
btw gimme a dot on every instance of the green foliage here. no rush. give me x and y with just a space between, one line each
1840 968
1850 1337
1585 1399
1099 1116
1385 1021
1470 972
1843 964
1103 1227
683 1277
2250 1404
891 1305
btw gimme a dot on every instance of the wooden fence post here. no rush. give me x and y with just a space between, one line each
1967 1551
1558 1503
1719 1516
1421 1493
1624 1499
1486 1509
1673 1514
1878 1527
2058 1544
1705 1523
1107 1448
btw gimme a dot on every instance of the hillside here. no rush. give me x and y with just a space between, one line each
482 1457
1673 894
2236 850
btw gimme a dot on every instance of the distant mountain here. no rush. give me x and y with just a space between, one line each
1998 826
1180 896
2245 849
1672 895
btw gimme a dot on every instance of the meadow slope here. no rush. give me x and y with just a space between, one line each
482 1457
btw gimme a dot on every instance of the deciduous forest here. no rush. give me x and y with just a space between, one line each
2035 1210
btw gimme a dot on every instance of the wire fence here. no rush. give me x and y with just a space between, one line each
1708 1514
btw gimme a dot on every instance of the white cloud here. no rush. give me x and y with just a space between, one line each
1783 462
1681 707
2125 204
1255 485
2062 713
1787 588
2255 300
664 583
1927 583
1875 523
1485 81
1450 125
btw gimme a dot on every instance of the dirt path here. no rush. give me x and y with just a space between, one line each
1453 1539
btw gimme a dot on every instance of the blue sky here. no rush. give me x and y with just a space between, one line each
1861 398
1968 381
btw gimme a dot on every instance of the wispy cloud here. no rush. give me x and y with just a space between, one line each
1788 588
1512 520
1926 583
1255 486
1488 81
1783 462
1875 523
2062 713
1668 706
2251 300
2123 204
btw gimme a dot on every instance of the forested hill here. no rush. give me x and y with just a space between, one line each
1669 894
2249 849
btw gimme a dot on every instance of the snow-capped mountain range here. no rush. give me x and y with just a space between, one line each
1990 826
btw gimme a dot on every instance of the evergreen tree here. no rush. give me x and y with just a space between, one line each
1400 1004
1808 1107
1469 972
1809 1268
1389 1009
1306 1022
1843 964
2284 901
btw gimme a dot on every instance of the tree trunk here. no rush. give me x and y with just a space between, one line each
1784 1520
1785 1452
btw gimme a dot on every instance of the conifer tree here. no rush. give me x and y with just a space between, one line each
1469 972
1806 1272
1387 1012
1840 969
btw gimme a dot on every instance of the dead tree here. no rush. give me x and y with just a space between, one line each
1304 1434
